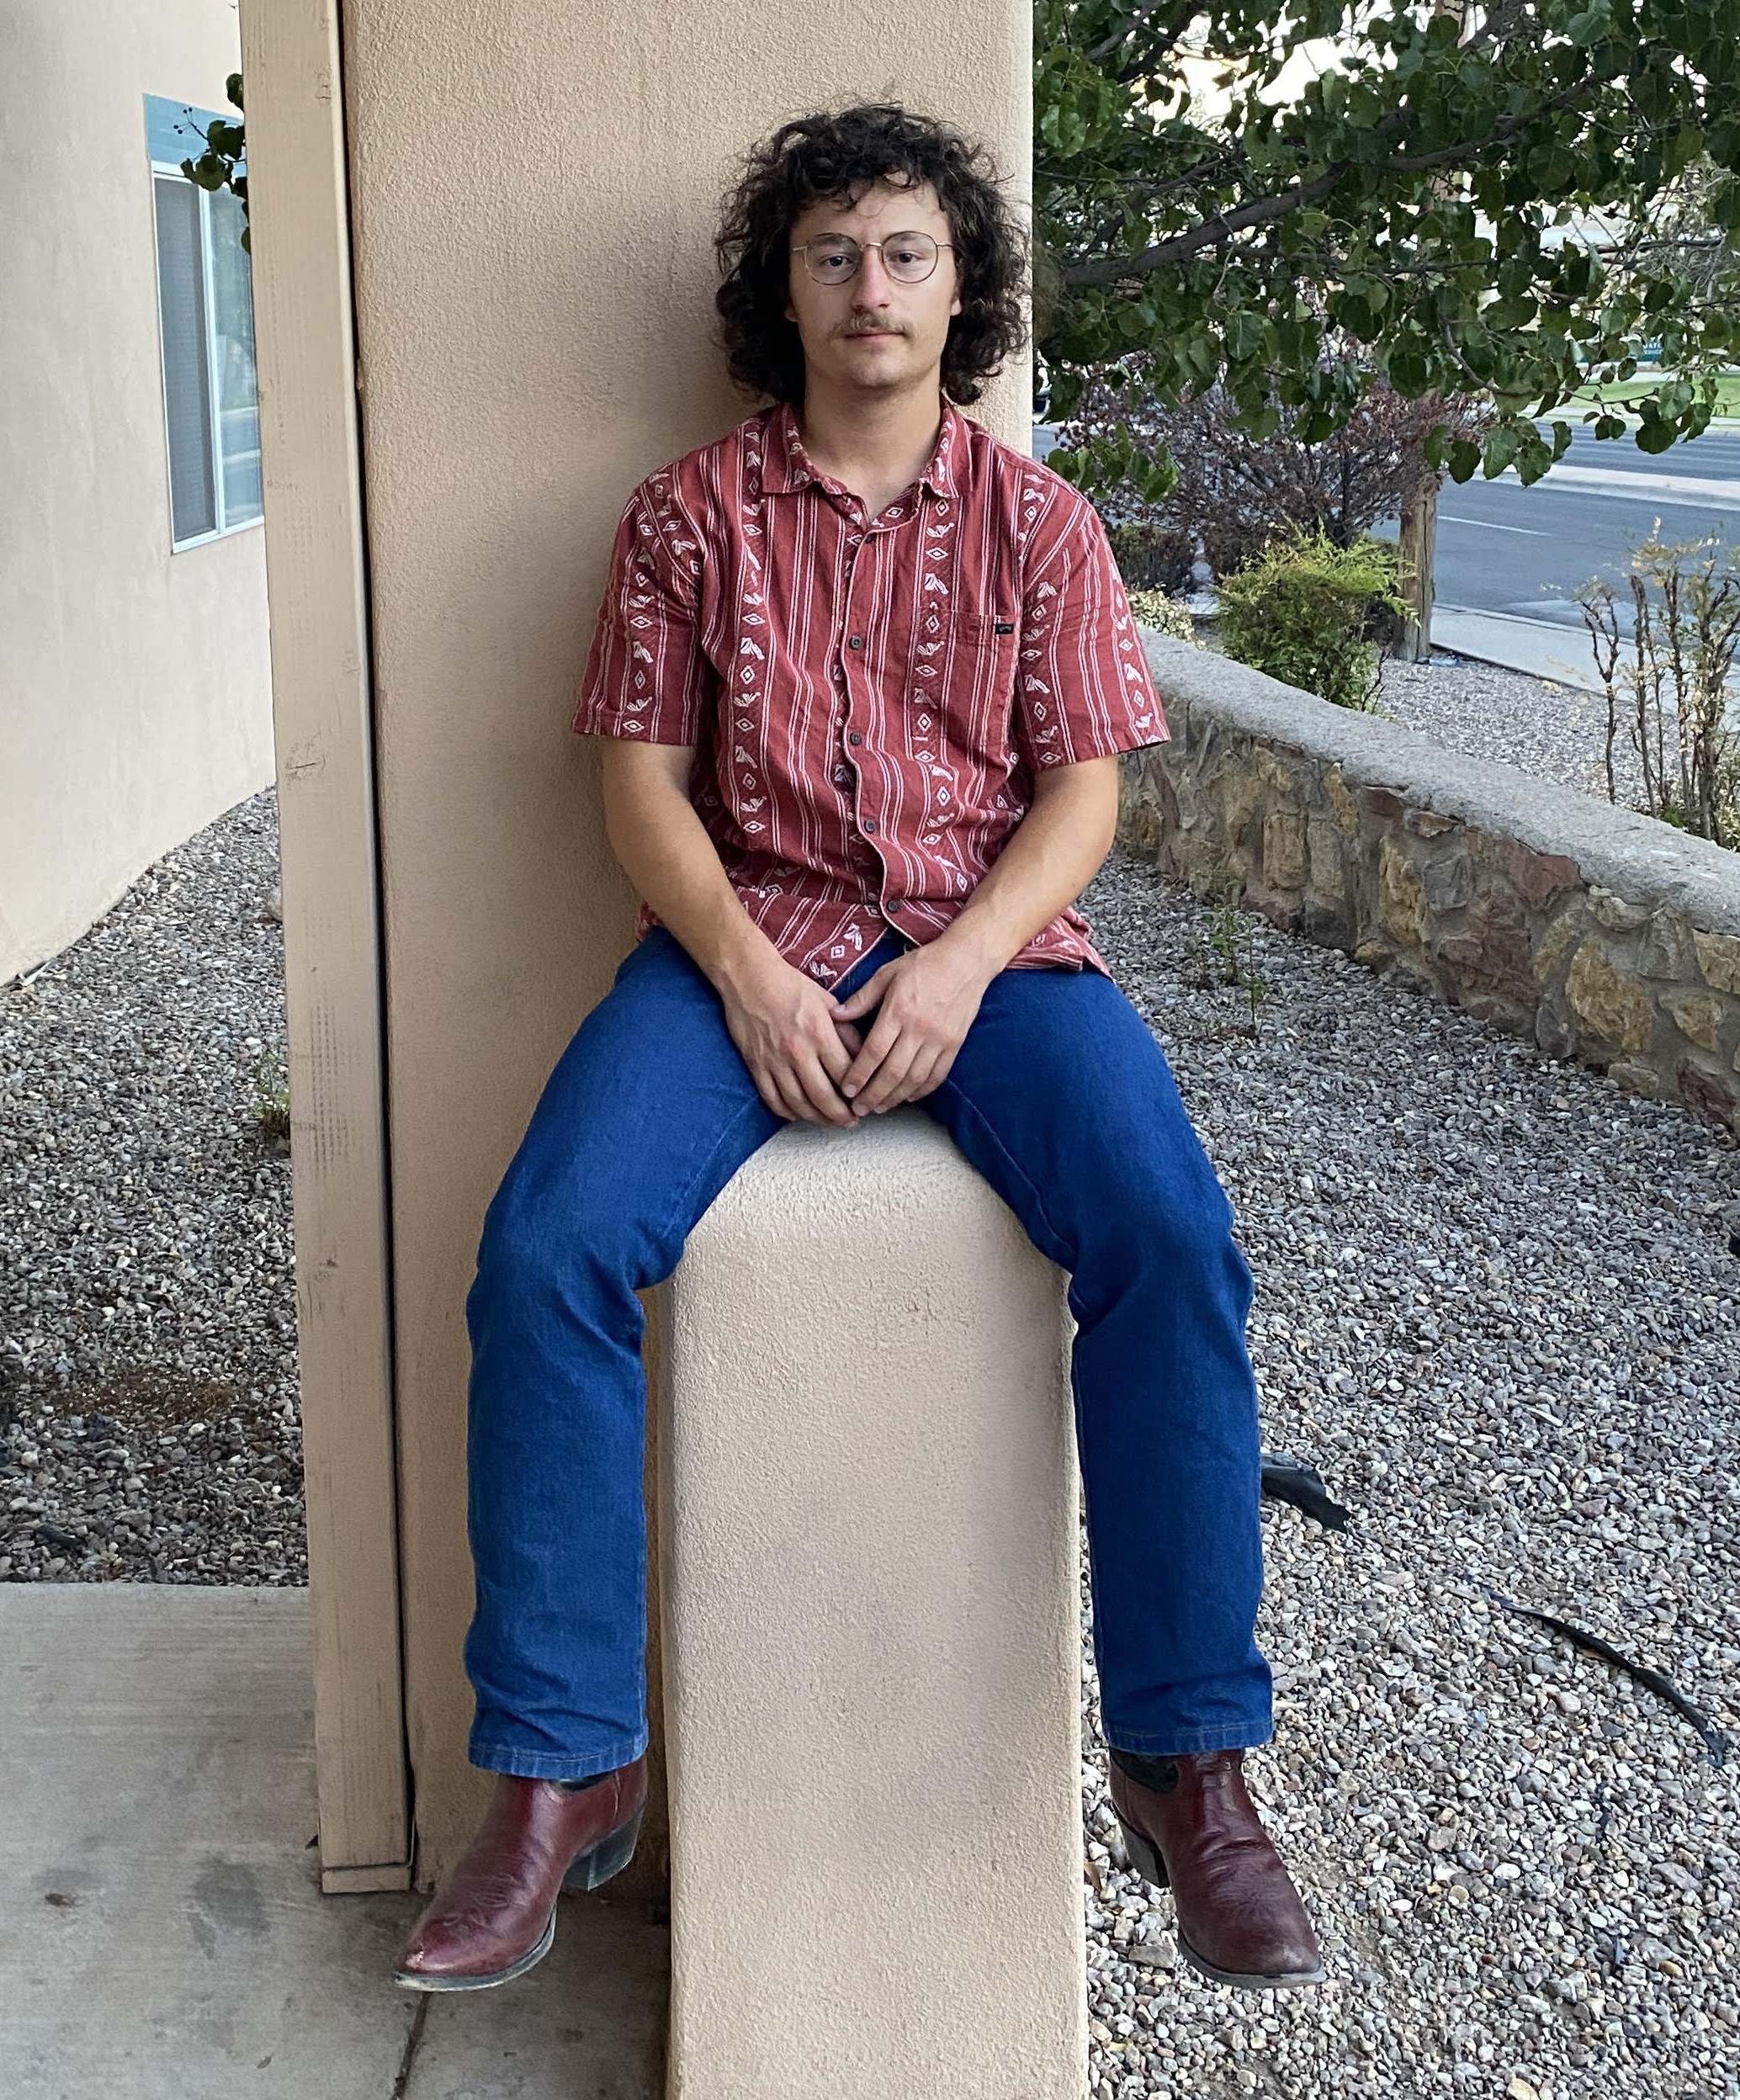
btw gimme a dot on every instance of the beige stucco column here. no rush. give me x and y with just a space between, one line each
871 1647
533 190
483 257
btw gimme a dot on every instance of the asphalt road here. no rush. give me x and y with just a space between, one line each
1505 549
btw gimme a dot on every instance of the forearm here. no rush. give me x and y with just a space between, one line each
783 1023
1050 858
666 854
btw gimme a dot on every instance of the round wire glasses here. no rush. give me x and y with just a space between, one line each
833 258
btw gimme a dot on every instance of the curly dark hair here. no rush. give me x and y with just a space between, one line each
835 158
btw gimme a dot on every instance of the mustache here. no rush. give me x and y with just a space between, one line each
874 328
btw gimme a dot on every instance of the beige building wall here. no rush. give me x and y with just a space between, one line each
134 699
533 190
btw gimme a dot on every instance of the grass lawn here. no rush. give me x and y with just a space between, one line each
1727 394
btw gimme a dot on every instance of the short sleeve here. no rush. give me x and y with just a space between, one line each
646 675
1085 691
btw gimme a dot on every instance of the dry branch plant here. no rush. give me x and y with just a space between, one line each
1234 493
1666 681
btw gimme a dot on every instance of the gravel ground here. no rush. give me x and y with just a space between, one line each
1495 1305
148 1426
1550 731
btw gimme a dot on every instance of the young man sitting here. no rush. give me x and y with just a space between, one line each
862 674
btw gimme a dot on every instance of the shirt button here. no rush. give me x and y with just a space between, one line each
869 824
855 737
855 641
894 904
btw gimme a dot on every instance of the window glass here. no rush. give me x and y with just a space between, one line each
181 302
211 409
232 304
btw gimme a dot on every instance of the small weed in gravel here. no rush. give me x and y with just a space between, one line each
272 1095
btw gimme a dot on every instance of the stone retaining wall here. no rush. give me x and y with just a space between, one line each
1598 933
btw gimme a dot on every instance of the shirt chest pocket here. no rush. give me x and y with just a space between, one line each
991 641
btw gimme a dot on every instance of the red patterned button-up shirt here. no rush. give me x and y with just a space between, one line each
869 699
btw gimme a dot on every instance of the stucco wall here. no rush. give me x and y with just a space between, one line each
135 698
534 195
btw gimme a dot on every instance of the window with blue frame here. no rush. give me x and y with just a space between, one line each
211 408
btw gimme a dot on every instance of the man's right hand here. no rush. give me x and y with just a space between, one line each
783 1024
781 1020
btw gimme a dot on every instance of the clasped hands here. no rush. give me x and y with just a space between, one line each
811 1060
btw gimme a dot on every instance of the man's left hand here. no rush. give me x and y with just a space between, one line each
928 999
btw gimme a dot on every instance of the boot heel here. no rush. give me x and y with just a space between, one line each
608 1856
1144 1856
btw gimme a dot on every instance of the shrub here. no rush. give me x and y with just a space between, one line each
1151 557
1165 615
1236 492
1301 612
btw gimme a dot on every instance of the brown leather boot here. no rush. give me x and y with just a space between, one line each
1240 1918
495 1917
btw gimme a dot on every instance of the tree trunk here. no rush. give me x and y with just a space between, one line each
1419 547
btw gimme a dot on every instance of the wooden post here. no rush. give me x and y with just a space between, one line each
1420 518
1419 546
323 713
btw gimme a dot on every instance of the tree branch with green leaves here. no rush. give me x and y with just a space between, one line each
1473 199
224 163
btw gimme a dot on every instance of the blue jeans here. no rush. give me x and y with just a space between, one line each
1063 1101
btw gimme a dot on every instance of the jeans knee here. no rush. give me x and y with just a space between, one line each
548 1247
1184 1228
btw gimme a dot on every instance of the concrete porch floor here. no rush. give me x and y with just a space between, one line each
162 1935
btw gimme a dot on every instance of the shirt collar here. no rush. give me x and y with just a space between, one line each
787 467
